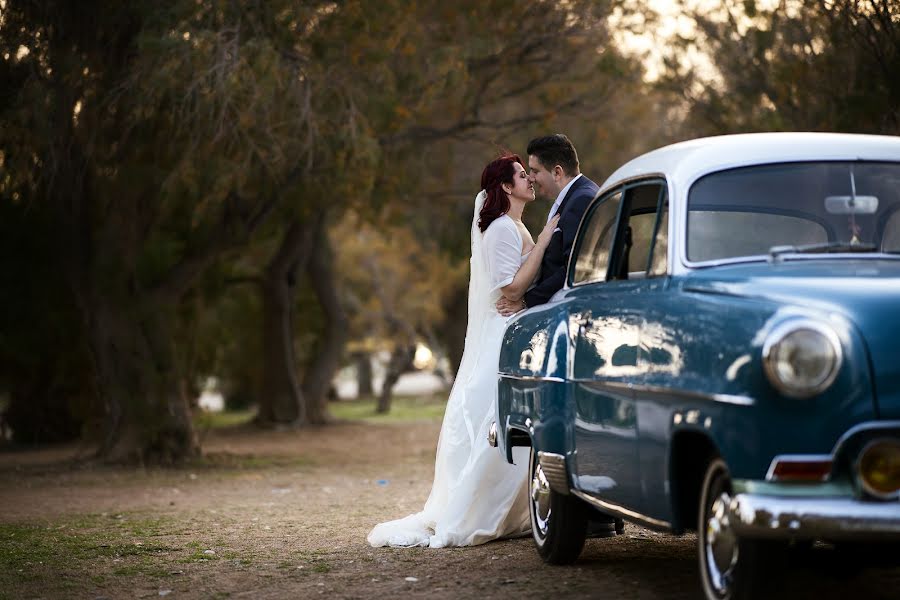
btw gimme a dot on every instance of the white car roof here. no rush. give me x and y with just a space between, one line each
684 162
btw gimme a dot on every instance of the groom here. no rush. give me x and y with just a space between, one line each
554 173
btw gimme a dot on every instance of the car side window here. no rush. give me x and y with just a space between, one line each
595 240
659 258
890 237
641 245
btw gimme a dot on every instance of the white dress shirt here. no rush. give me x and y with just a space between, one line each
559 199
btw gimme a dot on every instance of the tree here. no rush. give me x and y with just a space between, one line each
413 109
163 137
801 65
396 283
174 150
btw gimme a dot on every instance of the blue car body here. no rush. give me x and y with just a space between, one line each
633 381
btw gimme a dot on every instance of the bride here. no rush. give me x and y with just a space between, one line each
476 495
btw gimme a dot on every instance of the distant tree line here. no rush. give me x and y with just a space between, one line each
207 187
178 180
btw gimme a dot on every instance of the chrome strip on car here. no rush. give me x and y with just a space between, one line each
796 256
554 467
649 176
773 517
620 511
889 426
655 389
532 378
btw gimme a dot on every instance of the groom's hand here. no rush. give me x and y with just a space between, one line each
506 307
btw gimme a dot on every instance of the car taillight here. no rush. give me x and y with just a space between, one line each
789 469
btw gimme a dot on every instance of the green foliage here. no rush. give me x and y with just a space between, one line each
403 409
164 147
803 65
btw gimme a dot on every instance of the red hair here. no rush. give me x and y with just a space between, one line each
496 173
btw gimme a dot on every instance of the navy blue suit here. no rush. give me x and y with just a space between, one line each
556 257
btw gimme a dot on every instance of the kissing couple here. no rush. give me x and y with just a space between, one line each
476 495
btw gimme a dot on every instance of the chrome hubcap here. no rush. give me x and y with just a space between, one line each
721 544
540 500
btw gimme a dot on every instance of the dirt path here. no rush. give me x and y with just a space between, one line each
285 514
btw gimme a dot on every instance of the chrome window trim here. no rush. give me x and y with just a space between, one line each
618 188
621 185
790 257
634 178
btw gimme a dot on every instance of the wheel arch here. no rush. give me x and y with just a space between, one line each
516 436
690 453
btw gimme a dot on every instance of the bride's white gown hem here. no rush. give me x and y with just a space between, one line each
476 495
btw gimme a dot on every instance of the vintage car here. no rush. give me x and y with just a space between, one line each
724 356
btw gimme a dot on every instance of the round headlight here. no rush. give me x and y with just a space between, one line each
802 358
878 469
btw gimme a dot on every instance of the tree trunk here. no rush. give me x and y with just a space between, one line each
281 399
401 362
363 362
321 372
147 418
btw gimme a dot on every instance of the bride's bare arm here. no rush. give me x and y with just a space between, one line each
529 269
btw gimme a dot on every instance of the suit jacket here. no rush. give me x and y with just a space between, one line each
556 257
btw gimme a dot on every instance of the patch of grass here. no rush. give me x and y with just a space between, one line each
148 528
123 550
403 409
81 548
198 553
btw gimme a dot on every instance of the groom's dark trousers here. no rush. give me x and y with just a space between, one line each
556 257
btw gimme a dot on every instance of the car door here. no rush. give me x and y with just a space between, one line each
613 269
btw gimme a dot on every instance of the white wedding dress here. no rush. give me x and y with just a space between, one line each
476 495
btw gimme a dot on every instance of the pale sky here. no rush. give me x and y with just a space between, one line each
649 40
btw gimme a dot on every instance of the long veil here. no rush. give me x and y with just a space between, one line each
468 365
475 495
478 291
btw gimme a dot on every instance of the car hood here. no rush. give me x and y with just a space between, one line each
867 292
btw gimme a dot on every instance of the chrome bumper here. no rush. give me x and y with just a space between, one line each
782 517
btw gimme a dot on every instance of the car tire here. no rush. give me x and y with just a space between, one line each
559 523
731 568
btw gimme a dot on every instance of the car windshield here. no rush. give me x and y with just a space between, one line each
795 208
